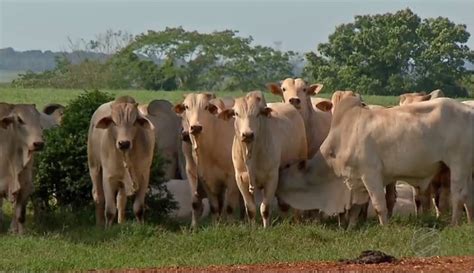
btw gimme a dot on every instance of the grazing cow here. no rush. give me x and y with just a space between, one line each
297 93
20 136
211 155
265 138
120 152
408 143
167 135
408 98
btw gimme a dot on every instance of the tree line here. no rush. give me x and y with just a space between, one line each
384 54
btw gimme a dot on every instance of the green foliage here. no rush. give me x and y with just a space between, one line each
175 58
62 174
62 178
393 53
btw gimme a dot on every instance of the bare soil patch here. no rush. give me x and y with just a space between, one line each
428 264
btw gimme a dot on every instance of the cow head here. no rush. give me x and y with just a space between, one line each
198 112
123 122
295 91
247 112
28 125
338 96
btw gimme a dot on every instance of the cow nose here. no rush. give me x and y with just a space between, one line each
295 101
185 136
196 129
247 137
38 145
124 145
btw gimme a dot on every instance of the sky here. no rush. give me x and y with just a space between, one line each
299 24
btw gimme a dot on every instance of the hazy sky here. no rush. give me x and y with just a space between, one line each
299 25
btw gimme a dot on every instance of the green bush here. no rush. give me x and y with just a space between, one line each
62 178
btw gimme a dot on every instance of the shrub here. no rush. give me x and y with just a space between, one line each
62 178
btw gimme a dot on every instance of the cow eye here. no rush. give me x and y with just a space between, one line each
304 89
206 107
21 121
236 114
284 89
186 107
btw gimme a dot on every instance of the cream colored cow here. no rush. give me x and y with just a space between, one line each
211 149
20 136
120 152
265 139
408 143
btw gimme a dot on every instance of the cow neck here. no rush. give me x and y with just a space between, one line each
307 112
205 138
15 158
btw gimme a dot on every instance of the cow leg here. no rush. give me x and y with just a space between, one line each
461 193
19 213
249 200
232 198
268 194
110 193
443 197
98 195
121 204
391 197
374 184
139 204
356 213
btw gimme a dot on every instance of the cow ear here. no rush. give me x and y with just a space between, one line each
51 108
212 108
275 89
179 108
302 165
226 114
426 97
324 106
314 89
145 123
104 123
6 121
266 111
402 99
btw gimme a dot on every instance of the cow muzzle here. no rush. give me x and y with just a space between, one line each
124 145
195 129
247 137
296 102
38 146
185 136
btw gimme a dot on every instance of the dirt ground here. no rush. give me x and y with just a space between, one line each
431 264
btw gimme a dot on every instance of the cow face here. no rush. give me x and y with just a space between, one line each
123 123
28 124
247 112
295 91
197 112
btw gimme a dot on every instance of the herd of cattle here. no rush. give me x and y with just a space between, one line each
307 153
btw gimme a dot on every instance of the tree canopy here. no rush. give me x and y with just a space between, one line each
176 58
392 53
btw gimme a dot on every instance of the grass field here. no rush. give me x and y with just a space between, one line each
71 242
45 96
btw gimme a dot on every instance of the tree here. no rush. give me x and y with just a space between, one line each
199 61
393 53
